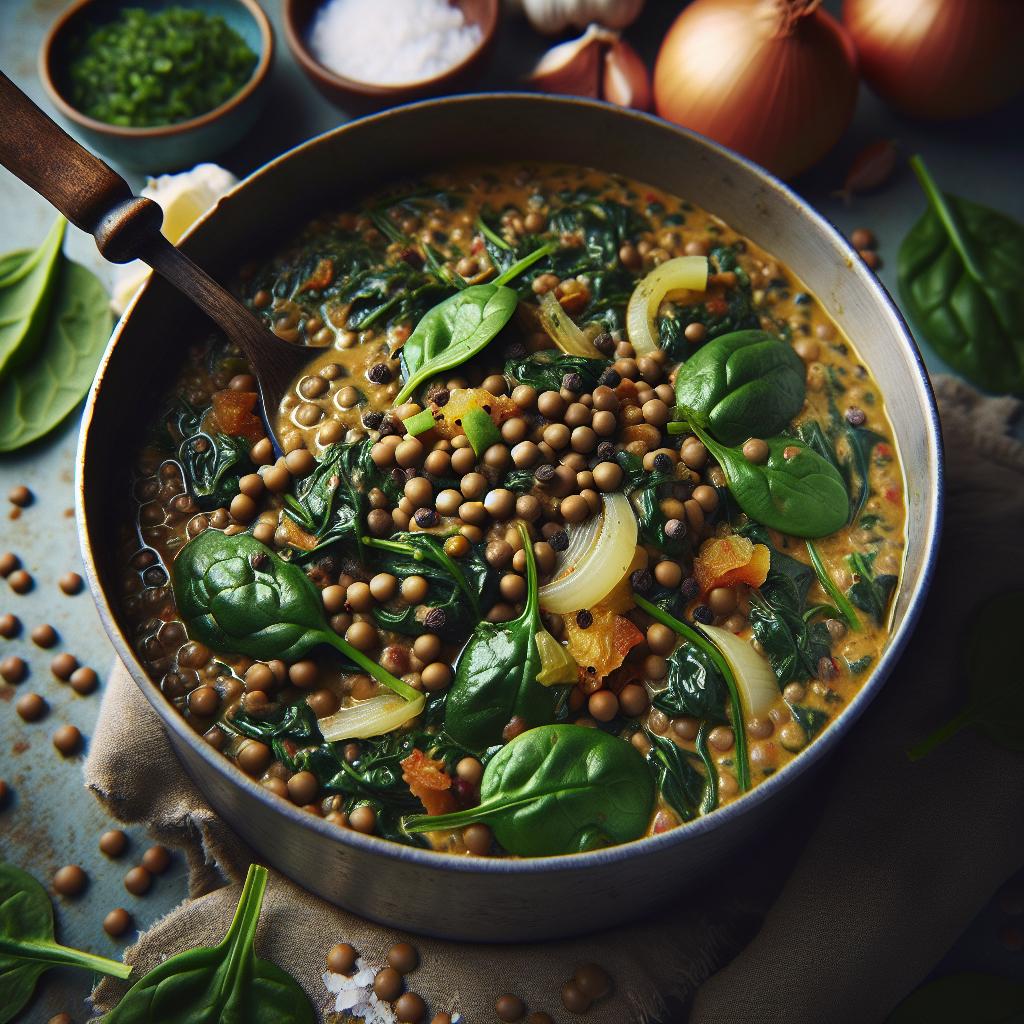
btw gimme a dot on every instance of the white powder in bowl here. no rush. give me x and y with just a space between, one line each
393 42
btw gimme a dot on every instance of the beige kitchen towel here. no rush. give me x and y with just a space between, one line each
900 859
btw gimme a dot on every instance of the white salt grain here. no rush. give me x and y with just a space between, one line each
392 43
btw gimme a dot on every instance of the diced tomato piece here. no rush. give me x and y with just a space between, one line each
892 494
725 561
461 400
429 782
294 535
602 647
322 276
233 412
716 305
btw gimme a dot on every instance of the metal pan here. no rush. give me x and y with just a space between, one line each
463 897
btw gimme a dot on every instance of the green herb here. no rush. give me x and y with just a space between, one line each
681 784
811 720
236 595
212 464
558 789
741 385
956 998
695 686
545 370
453 332
145 67
27 946
480 430
26 290
960 269
420 423
802 495
995 702
227 983
830 587
869 592
36 397
700 641
496 675
643 488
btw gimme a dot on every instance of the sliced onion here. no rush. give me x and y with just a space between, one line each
563 331
599 554
557 667
757 683
684 273
372 717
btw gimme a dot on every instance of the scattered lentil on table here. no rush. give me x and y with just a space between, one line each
117 922
68 740
20 496
31 707
70 880
113 843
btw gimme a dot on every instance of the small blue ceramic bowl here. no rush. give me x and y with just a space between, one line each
164 147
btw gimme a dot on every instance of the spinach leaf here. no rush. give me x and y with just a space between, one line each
681 784
25 293
789 579
211 463
695 687
603 225
27 946
960 269
978 998
869 592
558 789
829 585
226 983
710 799
545 370
642 487
234 594
995 701
699 640
802 494
34 398
744 384
296 721
792 645
496 675
811 720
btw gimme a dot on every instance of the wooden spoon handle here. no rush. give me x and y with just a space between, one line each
88 192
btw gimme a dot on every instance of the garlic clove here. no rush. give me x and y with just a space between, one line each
625 79
574 67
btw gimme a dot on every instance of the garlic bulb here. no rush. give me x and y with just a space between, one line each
554 16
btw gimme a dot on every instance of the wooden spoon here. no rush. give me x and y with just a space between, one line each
127 227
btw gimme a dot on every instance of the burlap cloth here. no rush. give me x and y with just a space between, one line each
858 891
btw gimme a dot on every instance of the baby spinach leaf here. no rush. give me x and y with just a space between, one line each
695 687
869 592
26 288
496 675
699 640
744 384
558 789
974 997
544 370
788 577
295 721
212 463
453 332
27 946
792 645
36 397
960 269
811 720
995 701
681 784
643 490
235 595
795 491
226 983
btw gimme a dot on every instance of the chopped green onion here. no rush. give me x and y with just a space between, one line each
480 429
419 423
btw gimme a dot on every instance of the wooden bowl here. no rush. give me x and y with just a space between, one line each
357 96
162 147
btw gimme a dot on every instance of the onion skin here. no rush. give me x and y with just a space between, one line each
780 90
939 59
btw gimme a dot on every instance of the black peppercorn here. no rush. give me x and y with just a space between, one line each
435 620
641 581
441 398
373 420
675 529
544 474
703 614
856 417
425 518
689 588
584 619
559 541
663 463
604 343
573 382
379 373
610 378
606 451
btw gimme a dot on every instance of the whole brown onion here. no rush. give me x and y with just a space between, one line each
940 59
774 79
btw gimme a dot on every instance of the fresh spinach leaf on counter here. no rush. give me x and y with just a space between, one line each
995 697
36 397
27 945
227 982
744 384
547 792
695 687
681 783
234 594
869 592
212 463
960 269
643 487
545 370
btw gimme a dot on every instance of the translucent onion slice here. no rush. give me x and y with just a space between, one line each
557 667
757 683
599 554
372 717
684 273
563 331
